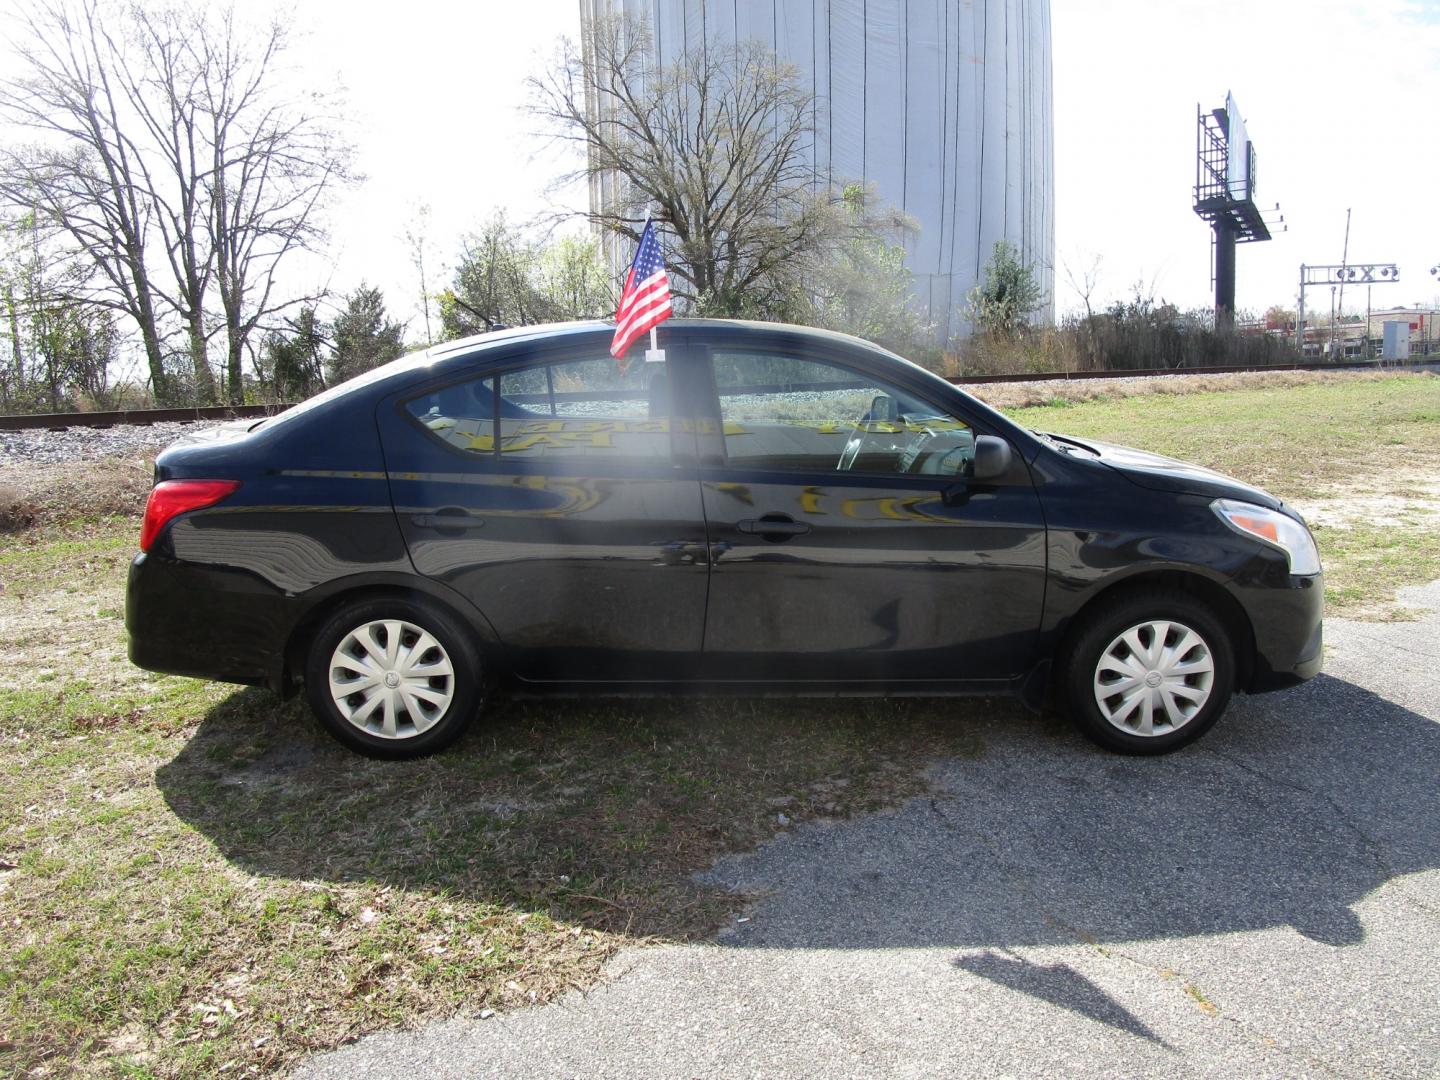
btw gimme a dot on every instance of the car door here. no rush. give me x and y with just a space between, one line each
548 492
849 542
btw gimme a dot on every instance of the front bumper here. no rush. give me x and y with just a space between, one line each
1288 622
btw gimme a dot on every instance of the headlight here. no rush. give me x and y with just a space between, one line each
1273 528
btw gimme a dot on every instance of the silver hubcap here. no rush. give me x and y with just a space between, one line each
392 679
1154 678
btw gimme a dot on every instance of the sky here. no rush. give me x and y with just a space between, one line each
1342 100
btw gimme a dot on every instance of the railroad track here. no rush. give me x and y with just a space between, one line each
145 417
136 417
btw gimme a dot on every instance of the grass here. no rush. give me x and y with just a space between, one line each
194 880
241 892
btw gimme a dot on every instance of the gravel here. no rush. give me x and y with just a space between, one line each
41 447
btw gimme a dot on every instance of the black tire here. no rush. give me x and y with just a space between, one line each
1101 634
435 728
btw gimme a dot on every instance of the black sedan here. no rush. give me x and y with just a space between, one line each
763 509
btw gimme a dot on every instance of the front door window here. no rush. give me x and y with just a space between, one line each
801 415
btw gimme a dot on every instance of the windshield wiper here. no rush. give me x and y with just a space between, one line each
1065 442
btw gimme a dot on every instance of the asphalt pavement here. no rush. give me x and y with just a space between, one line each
1263 904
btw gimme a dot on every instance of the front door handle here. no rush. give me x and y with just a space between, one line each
448 518
775 528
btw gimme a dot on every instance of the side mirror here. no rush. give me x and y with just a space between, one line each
992 458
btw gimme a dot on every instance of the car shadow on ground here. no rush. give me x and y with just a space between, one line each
1296 807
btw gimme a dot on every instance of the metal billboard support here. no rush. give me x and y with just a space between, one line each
1225 196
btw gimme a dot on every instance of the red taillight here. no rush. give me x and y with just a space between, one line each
171 497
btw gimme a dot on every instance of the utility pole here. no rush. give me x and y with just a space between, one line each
1332 322
1300 317
1345 258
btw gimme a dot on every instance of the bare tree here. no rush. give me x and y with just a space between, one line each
167 142
158 86
417 239
85 176
56 343
507 275
273 164
495 282
716 144
1084 282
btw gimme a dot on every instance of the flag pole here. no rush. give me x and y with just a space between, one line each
649 217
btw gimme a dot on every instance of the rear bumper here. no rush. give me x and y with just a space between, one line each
203 621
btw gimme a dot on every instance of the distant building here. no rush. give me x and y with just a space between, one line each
1359 340
944 107
1424 324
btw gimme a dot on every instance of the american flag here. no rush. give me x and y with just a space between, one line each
645 303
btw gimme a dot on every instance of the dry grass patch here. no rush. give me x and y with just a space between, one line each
50 495
1021 395
243 892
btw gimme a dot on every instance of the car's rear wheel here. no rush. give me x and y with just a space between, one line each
393 678
1149 672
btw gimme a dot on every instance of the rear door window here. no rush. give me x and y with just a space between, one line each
587 408
578 408
462 416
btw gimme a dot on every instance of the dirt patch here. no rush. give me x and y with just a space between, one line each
1405 496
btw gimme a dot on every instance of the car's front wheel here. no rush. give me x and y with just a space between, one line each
1149 672
393 678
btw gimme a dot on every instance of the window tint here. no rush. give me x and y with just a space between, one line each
782 412
462 415
585 408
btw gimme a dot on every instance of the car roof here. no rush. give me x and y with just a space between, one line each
571 329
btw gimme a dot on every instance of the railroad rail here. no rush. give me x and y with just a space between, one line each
137 417
145 417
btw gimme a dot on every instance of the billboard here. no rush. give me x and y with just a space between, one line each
1240 176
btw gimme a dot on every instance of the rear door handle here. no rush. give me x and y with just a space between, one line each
448 518
773 527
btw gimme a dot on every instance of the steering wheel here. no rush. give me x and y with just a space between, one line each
857 439
911 455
